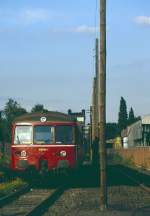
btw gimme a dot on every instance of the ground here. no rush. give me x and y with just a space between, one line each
82 197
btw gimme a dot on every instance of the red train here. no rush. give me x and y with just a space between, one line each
46 141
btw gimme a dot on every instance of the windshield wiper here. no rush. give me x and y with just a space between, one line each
18 140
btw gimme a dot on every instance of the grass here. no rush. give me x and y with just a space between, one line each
9 187
124 161
117 158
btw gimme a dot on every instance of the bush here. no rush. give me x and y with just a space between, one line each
4 161
9 187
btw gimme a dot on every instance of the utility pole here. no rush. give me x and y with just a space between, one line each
94 111
95 116
102 105
97 86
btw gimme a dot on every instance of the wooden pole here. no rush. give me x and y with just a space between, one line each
97 86
95 116
102 106
94 111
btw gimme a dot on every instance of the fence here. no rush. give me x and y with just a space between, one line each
138 156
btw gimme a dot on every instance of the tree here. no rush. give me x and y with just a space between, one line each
123 115
111 130
131 118
39 108
0 125
11 111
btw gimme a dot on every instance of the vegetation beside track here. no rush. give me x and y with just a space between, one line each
9 187
118 159
4 161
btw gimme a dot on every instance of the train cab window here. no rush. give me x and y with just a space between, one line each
23 135
64 134
43 134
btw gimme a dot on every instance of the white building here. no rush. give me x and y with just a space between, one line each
137 134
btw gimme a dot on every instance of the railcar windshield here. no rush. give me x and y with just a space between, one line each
43 134
23 135
64 134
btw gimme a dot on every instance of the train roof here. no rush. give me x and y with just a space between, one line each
48 116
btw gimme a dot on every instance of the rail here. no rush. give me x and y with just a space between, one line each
13 196
34 202
43 206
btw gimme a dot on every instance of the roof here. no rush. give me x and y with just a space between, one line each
146 120
50 116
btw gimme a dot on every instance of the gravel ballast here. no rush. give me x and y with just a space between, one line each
122 201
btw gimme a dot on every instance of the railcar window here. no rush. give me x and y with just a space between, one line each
64 134
23 135
43 134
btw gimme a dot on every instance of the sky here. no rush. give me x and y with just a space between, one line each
47 53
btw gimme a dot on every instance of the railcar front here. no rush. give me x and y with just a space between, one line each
46 144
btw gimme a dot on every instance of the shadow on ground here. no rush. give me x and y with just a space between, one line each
86 177
115 176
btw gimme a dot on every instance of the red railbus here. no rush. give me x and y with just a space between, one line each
51 140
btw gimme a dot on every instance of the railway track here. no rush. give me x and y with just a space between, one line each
138 179
10 197
34 202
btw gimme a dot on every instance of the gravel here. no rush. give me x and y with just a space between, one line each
83 196
122 201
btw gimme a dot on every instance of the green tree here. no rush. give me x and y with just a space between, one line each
39 108
123 115
1 125
111 130
11 111
131 118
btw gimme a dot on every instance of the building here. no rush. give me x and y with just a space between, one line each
79 116
137 134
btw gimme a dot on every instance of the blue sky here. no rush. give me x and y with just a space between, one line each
47 56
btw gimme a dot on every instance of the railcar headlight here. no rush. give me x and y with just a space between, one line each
23 153
63 153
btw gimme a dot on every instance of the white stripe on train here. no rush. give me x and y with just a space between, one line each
14 146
